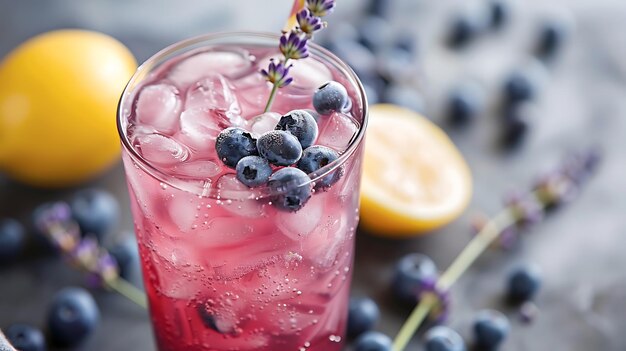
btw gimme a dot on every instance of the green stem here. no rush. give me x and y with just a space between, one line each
463 261
129 291
270 100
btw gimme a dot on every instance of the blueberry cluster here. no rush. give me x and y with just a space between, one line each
284 158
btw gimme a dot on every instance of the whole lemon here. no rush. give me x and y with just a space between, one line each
58 99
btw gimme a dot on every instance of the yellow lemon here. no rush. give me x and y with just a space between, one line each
414 178
58 102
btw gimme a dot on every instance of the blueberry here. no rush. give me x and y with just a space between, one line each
406 42
25 338
279 147
551 38
96 211
379 7
490 329
126 255
375 33
211 322
514 129
253 170
499 13
442 338
290 189
316 157
363 314
404 96
301 124
464 103
412 273
524 283
233 144
330 97
11 239
463 29
5 345
373 341
519 87
72 317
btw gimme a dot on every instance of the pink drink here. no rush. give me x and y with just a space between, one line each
223 268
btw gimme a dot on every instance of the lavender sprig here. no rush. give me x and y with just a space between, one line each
55 222
548 192
294 44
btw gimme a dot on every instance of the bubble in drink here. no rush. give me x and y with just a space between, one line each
159 106
337 131
230 63
263 123
162 150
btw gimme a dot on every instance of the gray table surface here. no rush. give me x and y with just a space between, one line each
581 249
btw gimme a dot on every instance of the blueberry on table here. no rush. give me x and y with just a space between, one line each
96 211
524 283
499 13
315 157
72 317
519 87
373 341
330 97
126 255
301 124
464 103
233 144
551 37
279 147
375 33
490 329
514 129
290 189
253 171
11 239
442 338
363 314
413 273
25 338
379 7
463 29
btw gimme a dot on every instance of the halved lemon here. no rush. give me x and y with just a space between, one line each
414 178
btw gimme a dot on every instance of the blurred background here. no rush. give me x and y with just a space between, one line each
563 65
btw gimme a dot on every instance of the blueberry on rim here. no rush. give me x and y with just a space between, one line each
301 124
233 144
290 189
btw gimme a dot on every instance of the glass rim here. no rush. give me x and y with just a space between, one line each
179 48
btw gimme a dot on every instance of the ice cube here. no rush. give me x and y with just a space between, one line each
263 123
215 92
229 62
337 131
203 169
253 91
182 210
298 225
238 199
177 267
324 243
308 74
199 128
161 150
159 106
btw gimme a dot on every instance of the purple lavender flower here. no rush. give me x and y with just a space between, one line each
277 74
308 23
526 210
320 8
440 311
293 45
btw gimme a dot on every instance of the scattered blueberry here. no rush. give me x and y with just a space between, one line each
290 188
514 129
330 97
463 29
499 13
96 211
363 314
253 170
211 322
375 33
279 147
412 273
233 144
406 42
464 103
316 157
355 54
126 255
373 341
394 63
301 124
405 97
442 338
379 7
490 329
519 87
11 239
25 338
72 317
551 37
524 283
